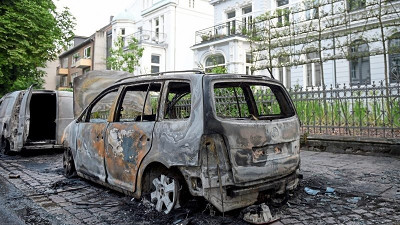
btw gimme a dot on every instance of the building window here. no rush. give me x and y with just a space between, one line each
313 70
231 15
64 62
353 5
359 63
283 17
155 63
75 58
214 61
86 53
312 9
191 3
63 81
157 26
394 58
231 24
71 84
282 2
122 31
284 71
248 63
247 19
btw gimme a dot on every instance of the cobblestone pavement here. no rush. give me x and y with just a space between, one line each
366 191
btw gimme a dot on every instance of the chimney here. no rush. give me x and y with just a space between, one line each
111 18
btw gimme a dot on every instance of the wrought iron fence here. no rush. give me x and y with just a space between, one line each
362 111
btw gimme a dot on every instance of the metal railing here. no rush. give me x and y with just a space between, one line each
147 36
363 110
223 30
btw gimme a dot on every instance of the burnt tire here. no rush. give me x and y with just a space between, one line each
166 193
68 164
5 146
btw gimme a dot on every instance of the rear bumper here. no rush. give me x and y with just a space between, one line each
235 197
288 181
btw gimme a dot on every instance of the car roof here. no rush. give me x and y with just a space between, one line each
190 74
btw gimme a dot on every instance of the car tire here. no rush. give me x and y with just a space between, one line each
68 164
166 193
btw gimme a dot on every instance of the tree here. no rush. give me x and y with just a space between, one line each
32 32
125 58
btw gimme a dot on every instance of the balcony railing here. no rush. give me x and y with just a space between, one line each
223 30
146 36
62 71
83 63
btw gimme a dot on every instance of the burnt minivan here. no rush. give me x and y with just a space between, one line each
33 119
232 139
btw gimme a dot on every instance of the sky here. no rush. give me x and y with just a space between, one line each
91 15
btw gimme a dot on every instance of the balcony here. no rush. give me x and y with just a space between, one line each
62 71
223 30
149 37
83 63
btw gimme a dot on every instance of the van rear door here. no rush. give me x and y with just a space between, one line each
24 118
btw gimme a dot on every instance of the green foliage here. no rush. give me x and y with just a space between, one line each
31 33
125 58
219 70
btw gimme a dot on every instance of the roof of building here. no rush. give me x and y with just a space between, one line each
87 41
124 15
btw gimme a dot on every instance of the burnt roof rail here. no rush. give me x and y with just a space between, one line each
161 74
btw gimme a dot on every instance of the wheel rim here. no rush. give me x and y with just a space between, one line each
165 195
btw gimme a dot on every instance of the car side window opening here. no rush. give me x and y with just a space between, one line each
178 101
101 109
245 100
140 103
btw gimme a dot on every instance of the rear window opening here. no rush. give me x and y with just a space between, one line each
253 101
43 110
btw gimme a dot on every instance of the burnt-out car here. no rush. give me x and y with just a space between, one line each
34 119
229 138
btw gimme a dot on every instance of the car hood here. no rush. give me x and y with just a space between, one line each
88 86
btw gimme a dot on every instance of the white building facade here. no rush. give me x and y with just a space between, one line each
359 61
165 29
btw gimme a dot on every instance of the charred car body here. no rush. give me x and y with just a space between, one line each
33 119
211 134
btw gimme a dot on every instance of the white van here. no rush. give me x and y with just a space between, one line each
33 119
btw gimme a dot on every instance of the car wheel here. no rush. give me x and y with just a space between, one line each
166 193
5 146
68 164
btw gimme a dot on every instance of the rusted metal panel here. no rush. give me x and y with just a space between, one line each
127 144
89 157
177 141
88 86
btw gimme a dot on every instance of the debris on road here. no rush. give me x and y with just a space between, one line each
311 191
329 190
354 199
13 176
259 214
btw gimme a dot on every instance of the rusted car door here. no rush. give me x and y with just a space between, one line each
129 137
24 117
91 134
